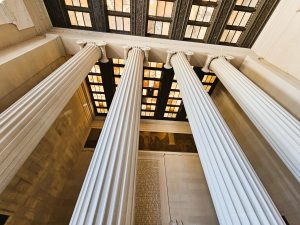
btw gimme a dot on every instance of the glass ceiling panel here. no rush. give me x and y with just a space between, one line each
158 27
201 13
230 36
79 18
160 8
119 23
118 5
195 32
249 3
239 18
79 3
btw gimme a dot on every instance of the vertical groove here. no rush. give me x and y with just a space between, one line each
278 126
238 195
106 196
25 122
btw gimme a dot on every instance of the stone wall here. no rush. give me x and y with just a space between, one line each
279 182
35 195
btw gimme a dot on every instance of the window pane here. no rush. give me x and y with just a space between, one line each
195 32
87 19
245 19
232 17
84 3
201 13
72 18
126 6
112 22
169 8
79 17
68 2
166 27
194 12
126 24
152 7
238 18
208 14
160 8
158 27
119 21
188 31
202 33
224 35
236 36
110 5
76 3
230 36
118 6
151 25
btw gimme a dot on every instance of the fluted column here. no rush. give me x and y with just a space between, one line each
237 193
107 194
25 122
278 126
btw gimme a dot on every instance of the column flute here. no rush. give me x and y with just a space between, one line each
24 123
237 193
108 192
278 126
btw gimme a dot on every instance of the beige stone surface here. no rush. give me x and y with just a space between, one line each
277 179
20 74
38 194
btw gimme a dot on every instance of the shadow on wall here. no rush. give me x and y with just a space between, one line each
154 141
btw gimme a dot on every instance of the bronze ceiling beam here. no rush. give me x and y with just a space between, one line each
223 12
180 17
139 12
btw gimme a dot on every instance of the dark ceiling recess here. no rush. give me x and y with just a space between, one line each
160 95
226 22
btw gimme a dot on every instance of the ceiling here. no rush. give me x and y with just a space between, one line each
225 22
160 95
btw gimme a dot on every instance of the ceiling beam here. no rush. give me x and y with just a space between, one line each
56 11
139 12
166 83
180 17
255 26
99 15
222 15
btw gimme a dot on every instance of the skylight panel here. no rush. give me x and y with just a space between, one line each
118 5
78 3
119 23
195 32
230 36
158 27
78 18
160 8
248 3
239 18
201 13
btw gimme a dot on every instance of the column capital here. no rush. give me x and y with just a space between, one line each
81 43
145 49
171 53
102 46
210 58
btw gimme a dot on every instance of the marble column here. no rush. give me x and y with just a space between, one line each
278 126
237 193
25 122
107 194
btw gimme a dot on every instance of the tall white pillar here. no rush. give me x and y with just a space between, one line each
236 191
107 194
278 126
25 122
